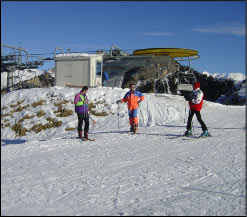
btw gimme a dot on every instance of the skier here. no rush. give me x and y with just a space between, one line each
133 98
81 108
195 103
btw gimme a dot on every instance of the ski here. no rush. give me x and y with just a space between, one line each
197 137
91 140
125 132
182 135
191 137
128 132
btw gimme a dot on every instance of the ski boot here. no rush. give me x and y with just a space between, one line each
135 128
188 133
85 138
205 133
80 135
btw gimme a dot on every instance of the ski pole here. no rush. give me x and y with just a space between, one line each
142 116
94 121
184 110
143 119
192 126
118 115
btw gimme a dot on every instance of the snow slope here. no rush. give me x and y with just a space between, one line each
20 75
235 95
152 173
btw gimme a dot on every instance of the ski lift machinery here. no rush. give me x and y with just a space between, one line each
185 79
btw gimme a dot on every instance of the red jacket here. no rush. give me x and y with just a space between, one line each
196 107
197 98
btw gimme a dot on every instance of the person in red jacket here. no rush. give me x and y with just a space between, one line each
133 98
195 104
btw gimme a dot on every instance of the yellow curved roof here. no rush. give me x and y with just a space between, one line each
172 52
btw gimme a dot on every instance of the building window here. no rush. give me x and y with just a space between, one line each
98 68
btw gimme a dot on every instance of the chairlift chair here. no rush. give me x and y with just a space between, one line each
186 80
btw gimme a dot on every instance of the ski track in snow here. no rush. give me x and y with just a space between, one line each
122 174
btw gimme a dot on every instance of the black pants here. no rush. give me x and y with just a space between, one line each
198 115
83 117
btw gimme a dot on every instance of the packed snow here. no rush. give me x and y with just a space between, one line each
155 172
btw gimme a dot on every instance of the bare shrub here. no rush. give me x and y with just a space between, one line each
25 117
40 102
70 128
91 110
63 112
19 130
40 113
20 108
18 103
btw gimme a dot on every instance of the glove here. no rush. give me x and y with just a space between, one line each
118 101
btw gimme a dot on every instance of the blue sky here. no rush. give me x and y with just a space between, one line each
215 29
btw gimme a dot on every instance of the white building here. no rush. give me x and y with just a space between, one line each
78 69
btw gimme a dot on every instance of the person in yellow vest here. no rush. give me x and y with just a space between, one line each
81 108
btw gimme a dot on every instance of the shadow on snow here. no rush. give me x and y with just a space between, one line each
12 141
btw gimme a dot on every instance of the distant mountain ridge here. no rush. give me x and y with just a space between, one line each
236 77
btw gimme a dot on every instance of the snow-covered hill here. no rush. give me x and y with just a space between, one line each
24 75
20 75
234 96
236 77
48 171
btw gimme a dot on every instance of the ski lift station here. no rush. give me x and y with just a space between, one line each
81 69
78 69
